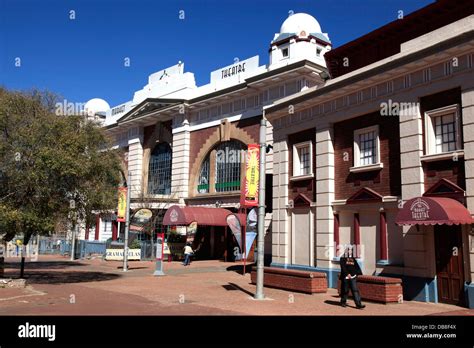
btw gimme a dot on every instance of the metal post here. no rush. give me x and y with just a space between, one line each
261 211
73 241
127 224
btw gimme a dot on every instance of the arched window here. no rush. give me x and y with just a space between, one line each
222 168
159 170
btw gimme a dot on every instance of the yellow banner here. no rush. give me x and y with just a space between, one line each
122 204
252 175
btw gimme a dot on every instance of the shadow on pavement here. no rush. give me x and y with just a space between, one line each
240 268
67 277
233 286
43 264
334 303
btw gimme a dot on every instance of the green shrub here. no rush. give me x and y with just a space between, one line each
135 244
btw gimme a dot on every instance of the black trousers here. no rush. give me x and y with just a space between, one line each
345 285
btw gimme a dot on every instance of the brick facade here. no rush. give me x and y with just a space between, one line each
306 187
386 181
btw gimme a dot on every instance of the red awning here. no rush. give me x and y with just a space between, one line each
433 211
183 216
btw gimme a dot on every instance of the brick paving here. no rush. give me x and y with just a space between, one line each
57 286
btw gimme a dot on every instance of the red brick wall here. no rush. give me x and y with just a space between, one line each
288 282
199 137
386 181
447 169
306 187
384 292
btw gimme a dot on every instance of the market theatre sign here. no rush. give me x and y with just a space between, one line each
420 210
433 211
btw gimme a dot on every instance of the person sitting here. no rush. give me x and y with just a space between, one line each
350 269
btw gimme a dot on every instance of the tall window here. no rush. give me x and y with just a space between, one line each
366 146
302 159
159 170
442 130
203 184
221 169
445 132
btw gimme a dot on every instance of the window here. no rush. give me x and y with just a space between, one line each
318 51
159 170
203 184
302 159
284 52
366 147
222 168
442 130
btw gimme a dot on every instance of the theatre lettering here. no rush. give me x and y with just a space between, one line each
233 70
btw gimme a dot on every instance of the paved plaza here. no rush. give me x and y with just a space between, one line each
57 286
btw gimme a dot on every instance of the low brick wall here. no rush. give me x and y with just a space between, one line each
378 289
300 281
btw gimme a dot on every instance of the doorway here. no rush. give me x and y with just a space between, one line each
449 264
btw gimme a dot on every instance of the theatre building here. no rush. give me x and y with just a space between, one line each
183 143
381 156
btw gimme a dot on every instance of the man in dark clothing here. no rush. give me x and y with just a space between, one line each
350 269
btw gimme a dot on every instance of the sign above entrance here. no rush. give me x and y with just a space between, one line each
433 211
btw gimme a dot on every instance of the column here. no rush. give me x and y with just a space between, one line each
135 160
180 164
383 238
280 225
336 234
467 99
415 253
114 230
324 195
357 233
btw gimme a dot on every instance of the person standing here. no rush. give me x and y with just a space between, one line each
350 269
188 252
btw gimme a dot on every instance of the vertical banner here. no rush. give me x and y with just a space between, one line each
236 228
160 246
122 204
191 232
249 194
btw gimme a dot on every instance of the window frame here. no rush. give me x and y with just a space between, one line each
213 186
149 190
357 166
430 132
297 162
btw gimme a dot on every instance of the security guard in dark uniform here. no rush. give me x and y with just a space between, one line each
350 269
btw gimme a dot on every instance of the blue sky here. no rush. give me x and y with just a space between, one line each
83 58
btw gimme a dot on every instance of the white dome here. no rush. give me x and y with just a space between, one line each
299 22
96 105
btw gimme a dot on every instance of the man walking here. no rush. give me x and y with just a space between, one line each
350 269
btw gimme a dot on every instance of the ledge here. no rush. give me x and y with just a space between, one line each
302 177
441 156
366 168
